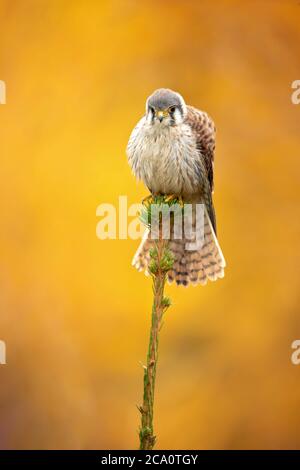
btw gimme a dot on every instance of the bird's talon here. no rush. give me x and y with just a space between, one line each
170 198
180 202
147 201
175 198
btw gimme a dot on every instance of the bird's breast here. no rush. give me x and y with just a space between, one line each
165 159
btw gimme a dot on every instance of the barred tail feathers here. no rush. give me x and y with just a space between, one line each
141 258
190 266
197 266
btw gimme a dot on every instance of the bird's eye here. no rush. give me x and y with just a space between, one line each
172 109
151 109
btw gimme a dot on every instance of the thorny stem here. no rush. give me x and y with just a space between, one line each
161 262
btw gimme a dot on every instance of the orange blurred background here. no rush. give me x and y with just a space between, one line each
74 314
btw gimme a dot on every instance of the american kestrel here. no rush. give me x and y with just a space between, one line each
171 150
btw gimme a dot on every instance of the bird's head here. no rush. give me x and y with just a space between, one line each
165 108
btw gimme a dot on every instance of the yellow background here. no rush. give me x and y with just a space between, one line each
74 313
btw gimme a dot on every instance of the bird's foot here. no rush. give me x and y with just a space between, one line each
147 201
173 198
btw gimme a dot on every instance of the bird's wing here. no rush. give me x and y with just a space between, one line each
204 129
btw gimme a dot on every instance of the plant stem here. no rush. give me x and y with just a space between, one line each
161 261
159 269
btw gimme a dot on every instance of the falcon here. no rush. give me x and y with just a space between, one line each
171 150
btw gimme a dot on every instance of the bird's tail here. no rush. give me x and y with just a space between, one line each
190 266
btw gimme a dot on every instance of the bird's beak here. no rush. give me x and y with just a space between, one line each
160 115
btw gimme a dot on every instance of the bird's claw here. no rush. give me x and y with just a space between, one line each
147 201
174 198
168 198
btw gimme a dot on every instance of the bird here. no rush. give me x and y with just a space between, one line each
171 150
